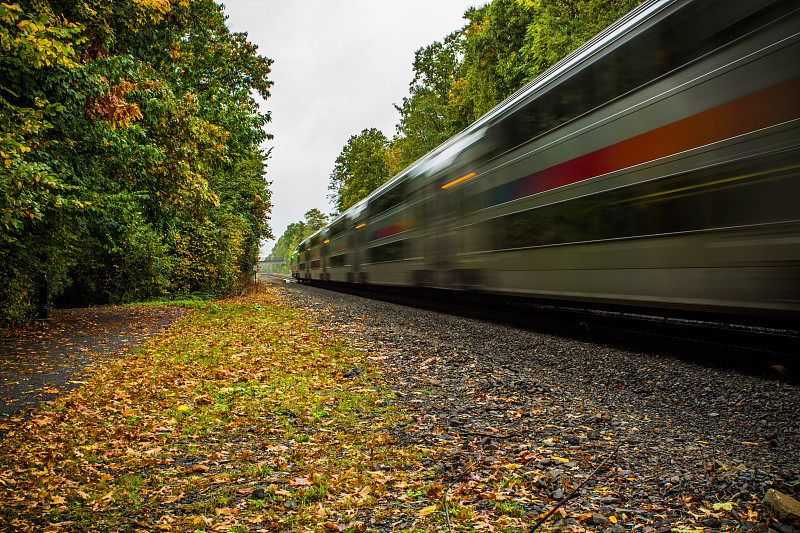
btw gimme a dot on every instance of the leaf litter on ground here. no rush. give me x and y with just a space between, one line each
246 416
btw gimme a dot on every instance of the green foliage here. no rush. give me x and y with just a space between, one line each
128 135
204 258
295 233
423 116
361 167
315 219
563 25
493 66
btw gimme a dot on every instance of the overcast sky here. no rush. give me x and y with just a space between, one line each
339 66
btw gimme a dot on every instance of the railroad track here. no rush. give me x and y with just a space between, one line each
745 343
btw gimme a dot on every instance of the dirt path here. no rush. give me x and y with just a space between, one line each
39 363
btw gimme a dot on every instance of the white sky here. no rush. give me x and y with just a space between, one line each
339 66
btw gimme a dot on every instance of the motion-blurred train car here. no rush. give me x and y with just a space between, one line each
656 166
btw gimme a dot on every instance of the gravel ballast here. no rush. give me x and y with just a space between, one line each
691 444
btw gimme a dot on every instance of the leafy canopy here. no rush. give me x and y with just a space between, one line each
130 158
361 167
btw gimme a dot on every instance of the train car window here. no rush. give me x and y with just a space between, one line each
339 227
387 200
695 202
688 34
338 260
393 251
315 241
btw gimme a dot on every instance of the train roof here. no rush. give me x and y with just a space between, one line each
634 20
618 32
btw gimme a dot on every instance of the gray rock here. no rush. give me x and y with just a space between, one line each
290 505
353 372
782 508
598 519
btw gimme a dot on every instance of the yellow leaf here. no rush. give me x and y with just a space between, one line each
427 510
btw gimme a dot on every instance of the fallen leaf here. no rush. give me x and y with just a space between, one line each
427 510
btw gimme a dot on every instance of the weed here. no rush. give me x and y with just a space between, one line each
508 509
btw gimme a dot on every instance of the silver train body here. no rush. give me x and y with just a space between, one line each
656 166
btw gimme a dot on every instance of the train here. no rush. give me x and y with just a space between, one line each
656 167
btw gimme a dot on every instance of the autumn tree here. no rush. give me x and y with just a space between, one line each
133 143
360 168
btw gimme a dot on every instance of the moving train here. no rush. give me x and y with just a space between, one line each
656 167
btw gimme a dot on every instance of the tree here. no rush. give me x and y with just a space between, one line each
493 66
127 130
423 116
362 166
315 220
295 233
562 25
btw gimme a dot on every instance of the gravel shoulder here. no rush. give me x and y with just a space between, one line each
691 445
